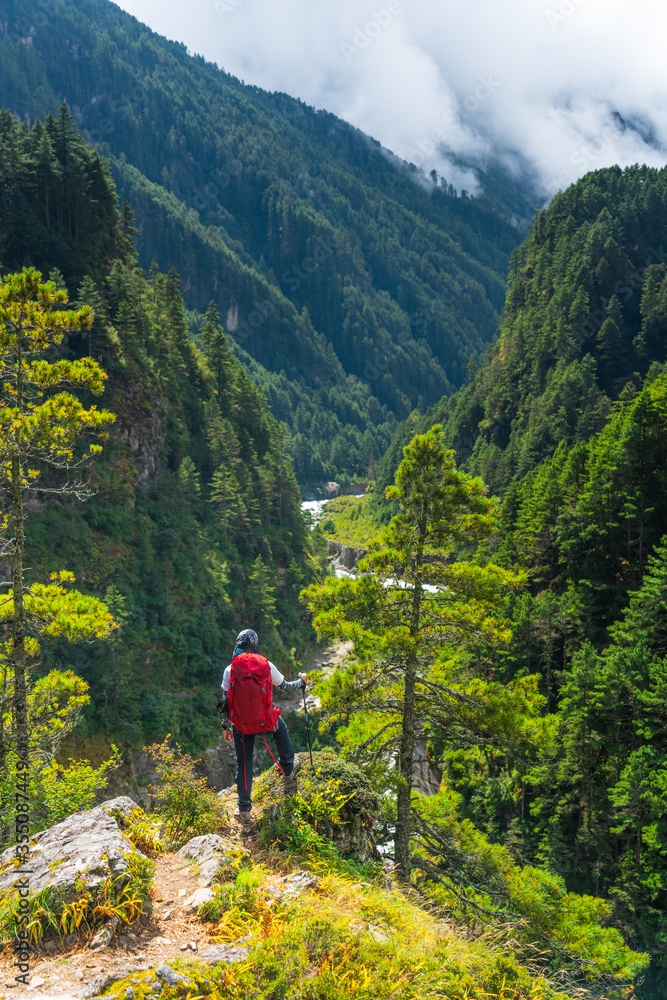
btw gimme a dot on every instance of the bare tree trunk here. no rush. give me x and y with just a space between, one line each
407 748
18 627
405 763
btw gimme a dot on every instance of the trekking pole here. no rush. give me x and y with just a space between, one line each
305 708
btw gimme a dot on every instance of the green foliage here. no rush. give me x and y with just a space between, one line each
566 421
142 831
410 600
305 823
71 788
193 487
125 897
581 327
472 878
238 901
349 520
188 807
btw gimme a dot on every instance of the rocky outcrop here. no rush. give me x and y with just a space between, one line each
79 854
140 425
217 953
216 767
330 490
345 556
210 853
350 829
426 777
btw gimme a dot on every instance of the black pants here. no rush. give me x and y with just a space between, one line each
244 744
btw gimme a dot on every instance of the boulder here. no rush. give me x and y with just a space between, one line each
168 976
86 848
122 804
200 896
293 885
103 937
211 853
298 882
101 982
214 765
344 556
216 953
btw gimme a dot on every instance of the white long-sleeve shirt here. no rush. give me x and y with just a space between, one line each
276 676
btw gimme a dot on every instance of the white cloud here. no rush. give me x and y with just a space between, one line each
537 84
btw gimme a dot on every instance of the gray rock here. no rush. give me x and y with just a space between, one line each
122 804
378 935
426 777
200 896
344 556
330 490
168 976
104 936
210 852
298 882
217 953
95 986
86 848
214 765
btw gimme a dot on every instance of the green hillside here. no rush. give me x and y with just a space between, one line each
195 524
330 260
583 322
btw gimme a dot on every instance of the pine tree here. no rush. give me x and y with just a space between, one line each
417 599
217 351
38 432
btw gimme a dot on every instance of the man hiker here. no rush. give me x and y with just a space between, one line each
247 709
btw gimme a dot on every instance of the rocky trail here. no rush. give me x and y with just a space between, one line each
83 967
77 971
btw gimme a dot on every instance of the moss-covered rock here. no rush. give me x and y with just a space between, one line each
330 803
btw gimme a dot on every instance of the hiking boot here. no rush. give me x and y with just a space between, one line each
243 816
296 767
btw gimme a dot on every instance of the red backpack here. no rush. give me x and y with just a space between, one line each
251 694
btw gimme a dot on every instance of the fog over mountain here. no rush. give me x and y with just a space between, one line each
551 88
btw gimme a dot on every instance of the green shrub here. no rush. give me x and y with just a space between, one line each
188 807
327 820
67 789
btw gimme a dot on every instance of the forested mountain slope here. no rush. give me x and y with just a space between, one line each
329 259
567 422
583 322
195 524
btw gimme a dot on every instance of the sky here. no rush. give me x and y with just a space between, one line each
548 88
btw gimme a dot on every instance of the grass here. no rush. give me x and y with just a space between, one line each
355 934
126 897
347 938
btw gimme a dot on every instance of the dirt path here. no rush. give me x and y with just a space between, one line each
62 973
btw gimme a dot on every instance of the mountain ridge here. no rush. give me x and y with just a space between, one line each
414 280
